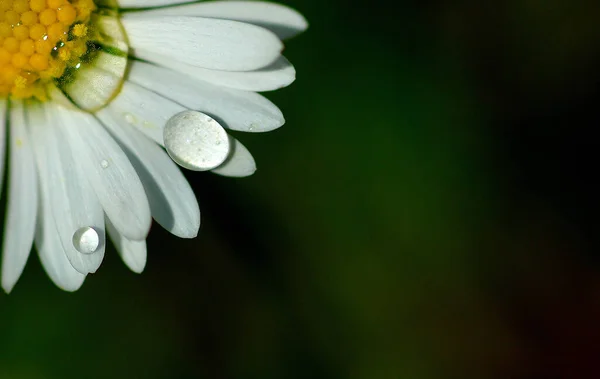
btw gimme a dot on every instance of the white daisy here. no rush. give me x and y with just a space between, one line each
89 93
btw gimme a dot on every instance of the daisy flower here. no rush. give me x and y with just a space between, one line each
101 100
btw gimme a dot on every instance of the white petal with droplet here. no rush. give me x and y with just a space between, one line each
73 201
139 107
47 240
115 182
172 201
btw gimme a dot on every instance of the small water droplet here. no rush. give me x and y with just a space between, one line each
196 141
86 240
104 163
252 127
129 118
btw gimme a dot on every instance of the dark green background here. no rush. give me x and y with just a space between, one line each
426 212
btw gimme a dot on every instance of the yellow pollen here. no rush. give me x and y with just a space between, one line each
20 82
80 30
64 54
39 40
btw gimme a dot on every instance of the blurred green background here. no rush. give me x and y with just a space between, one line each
426 212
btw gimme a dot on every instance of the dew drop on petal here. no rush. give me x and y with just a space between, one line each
86 240
129 118
104 164
196 141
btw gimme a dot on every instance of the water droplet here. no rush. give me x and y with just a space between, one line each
129 118
104 163
196 141
86 240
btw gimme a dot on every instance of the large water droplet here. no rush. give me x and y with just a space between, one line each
86 240
196 141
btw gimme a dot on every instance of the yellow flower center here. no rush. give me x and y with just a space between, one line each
39 41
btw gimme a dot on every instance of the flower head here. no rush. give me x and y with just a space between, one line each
91 92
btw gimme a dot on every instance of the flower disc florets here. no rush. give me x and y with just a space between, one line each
40 40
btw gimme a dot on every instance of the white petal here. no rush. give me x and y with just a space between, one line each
110 173
2 140
143 109
142 3
133 253
239 163
72 200
108 26
202 42
22 200
277 75
282 20
234 109
171 198
93 86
